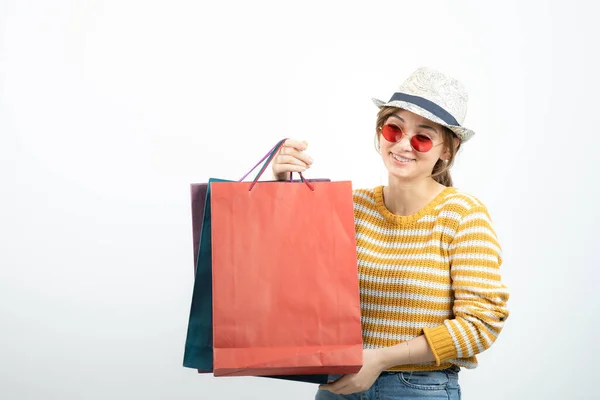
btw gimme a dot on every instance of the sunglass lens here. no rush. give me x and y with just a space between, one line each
391 133
421 143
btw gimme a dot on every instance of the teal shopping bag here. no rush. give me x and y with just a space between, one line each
199 342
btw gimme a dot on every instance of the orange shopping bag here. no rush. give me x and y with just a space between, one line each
285 280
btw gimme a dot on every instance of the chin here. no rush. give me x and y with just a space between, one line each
400 172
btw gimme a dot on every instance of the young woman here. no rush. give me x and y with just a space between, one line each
428 257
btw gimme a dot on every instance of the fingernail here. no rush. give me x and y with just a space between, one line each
310 160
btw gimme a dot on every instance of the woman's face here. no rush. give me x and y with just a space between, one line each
400 159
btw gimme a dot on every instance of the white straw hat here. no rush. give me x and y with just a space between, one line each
435 96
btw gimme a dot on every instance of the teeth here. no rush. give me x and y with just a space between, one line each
400 158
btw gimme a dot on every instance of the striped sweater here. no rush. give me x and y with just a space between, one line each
435 272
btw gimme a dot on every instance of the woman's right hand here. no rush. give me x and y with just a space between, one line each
290 158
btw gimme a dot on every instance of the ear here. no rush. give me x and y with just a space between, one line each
446 154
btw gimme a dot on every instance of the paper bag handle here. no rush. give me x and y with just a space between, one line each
269 157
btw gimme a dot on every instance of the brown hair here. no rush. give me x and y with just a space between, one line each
441 169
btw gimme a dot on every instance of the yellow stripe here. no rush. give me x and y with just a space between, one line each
384 224
414 259
365 298
395 330
416 319
425 278
404 237
402 247
406 288
476 236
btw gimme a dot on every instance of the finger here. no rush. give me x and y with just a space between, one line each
337 385
285 159
348 389
288 151
296 144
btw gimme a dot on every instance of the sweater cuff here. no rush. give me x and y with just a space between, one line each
441 343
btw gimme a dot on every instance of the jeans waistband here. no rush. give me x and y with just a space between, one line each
453 369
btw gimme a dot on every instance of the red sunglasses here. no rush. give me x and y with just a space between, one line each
420 143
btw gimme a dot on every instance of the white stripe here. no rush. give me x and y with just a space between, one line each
476 256
406 310
500 289
405 295
450 214
480 347
374 213
469 307
464 335
444 214
476 321
427 218
365 196
471 289
454 200
402 245
476 217
399 256
488 282
394 233
475 243
484 293
475 229
398 324
404 268
483 299
488 341
494 325
475 268
404 281
491 314
454 338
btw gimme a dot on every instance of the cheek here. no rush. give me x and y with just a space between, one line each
435 153
384 145
427 160
432 157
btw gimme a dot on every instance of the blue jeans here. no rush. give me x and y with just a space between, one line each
405 386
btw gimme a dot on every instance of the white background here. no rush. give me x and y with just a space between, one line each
110 109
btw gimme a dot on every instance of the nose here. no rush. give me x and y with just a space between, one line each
404 143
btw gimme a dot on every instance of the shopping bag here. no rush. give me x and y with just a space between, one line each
198 348
198 200
198 352
285 281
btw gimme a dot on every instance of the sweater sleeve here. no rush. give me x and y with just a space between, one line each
479 295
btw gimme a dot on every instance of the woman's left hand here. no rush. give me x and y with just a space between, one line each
361 381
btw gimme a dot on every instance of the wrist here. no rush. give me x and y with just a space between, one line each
387 357
393 356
